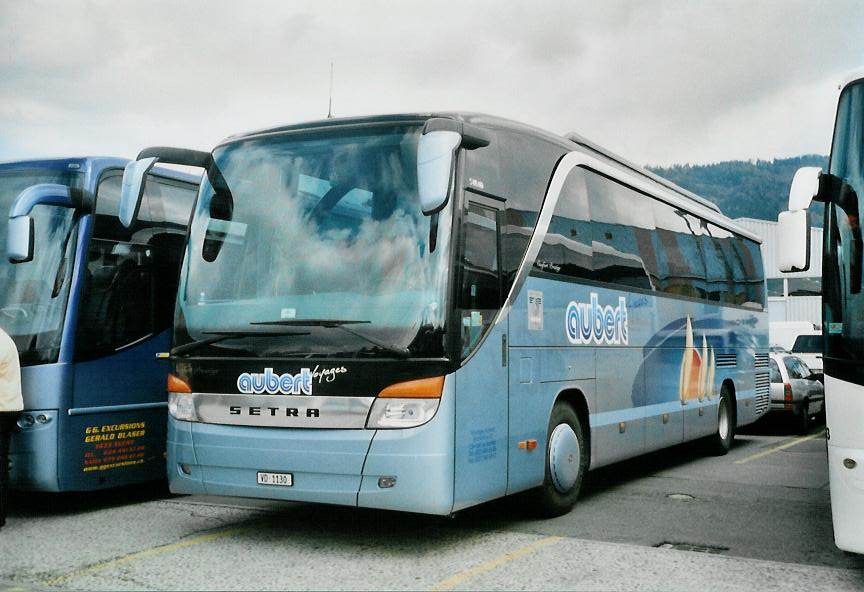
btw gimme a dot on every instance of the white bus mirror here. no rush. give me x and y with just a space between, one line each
19 242
805 186
793 241
133 189
435 155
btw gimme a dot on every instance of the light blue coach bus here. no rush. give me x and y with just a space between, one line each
425 312
89 303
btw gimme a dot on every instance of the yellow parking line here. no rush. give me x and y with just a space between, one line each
453 581
788 444
146 554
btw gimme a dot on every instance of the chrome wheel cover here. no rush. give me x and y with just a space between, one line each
564 457
723 420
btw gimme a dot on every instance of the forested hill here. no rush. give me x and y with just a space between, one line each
743 188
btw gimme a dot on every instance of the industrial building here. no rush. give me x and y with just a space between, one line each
791 296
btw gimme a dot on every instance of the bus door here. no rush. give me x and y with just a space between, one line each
116 430
481 383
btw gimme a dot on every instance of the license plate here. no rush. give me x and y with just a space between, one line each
283 479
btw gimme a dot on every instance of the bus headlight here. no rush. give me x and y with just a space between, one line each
181 407
401 413
406 404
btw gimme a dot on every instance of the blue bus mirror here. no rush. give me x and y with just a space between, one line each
435 155
19 242
133 189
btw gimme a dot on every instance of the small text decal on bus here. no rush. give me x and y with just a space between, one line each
589 322
270 383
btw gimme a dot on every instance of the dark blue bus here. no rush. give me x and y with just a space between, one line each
89 304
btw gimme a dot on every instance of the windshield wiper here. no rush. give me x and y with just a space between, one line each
216 336
397 350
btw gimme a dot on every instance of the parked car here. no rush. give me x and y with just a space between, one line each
795 388
809 349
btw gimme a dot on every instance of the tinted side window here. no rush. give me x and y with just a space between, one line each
118 305
754 277
479 295
718 269
567 247
681 260
527 167
737 278
131 276
622 226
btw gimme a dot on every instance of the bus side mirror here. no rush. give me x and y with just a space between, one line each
132 189
19 242
805 187
793 241
435 155
793 232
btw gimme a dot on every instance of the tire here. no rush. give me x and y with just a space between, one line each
721 441
804 418
567 458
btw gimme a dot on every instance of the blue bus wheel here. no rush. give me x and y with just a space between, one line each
567 459
721 441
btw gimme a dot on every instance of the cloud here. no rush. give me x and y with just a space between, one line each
656 81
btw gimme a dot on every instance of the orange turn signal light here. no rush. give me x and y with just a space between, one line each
425 388
177 384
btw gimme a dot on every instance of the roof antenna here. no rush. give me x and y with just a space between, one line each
330 102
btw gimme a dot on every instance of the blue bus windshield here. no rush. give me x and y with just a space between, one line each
324 227
33 295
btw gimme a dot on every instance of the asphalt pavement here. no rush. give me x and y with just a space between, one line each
755 519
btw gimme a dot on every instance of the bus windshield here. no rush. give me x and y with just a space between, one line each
844 296
315 244
33 295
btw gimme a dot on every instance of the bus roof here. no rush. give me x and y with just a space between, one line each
73 163
664 189
93 164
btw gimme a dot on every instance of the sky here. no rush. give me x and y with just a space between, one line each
659 82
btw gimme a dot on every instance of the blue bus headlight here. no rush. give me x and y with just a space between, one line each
182 407
401 413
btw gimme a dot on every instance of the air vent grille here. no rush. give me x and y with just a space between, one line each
760 360
727 360
763 392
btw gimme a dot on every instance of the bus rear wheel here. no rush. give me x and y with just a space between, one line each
721 441
567 460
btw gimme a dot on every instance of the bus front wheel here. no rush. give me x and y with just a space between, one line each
721 441
567 460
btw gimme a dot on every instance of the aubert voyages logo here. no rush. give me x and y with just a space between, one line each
273 384
590 322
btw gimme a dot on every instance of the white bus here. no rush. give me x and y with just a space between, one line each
842 302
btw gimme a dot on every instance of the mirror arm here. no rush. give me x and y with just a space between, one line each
186 157
181 156
472 135
433 232
49 194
